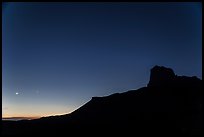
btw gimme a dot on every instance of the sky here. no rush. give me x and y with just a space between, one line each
56 56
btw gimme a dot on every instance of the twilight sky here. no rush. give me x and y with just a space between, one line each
56 56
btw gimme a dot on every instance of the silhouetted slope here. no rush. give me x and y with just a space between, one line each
169 105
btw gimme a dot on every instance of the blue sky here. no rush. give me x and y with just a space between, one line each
56 56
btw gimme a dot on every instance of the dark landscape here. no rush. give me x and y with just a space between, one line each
169 105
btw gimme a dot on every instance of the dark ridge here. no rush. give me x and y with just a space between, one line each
169 105
162 76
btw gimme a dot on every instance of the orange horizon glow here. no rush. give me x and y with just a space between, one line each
30 117
28 112
20 117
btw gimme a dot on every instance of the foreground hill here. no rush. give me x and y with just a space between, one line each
169 105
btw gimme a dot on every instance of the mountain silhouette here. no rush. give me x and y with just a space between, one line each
168 105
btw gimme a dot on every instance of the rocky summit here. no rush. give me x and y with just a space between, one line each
169 105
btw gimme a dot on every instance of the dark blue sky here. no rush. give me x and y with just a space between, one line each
56 56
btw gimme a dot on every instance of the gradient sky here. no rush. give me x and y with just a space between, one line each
56 56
